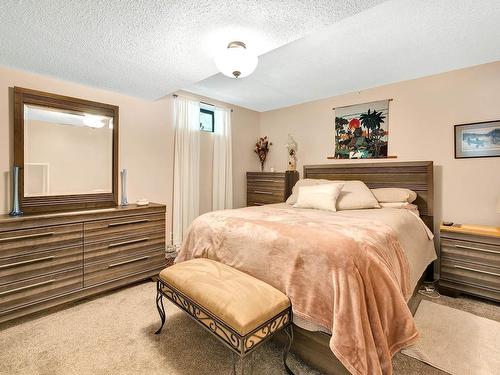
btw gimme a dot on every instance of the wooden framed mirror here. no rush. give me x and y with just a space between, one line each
67 149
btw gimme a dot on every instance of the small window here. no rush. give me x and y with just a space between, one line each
206 120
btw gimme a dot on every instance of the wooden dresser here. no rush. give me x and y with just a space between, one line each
470 261
49 259
269 187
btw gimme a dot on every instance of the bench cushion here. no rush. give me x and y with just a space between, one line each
239 300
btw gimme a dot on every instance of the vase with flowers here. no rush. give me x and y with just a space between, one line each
262 149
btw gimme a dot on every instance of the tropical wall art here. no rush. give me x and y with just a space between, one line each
477 140
361 130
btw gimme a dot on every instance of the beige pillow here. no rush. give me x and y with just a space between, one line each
292 199
320 197
355 195
391 195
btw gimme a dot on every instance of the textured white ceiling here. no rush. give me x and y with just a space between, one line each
150 48
394 41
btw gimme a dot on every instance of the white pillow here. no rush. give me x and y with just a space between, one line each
355 195
292 199
391 195
320 197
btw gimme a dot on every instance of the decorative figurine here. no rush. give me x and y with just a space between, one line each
292 153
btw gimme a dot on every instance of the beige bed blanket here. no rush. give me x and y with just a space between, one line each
347 273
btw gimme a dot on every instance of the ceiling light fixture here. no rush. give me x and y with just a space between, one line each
236 61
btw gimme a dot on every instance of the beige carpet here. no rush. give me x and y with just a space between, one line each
113 334
456 341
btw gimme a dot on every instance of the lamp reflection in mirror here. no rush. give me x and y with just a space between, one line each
236 61
16 209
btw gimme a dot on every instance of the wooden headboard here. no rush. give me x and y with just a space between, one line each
414 175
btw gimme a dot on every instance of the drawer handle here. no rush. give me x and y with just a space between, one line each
27 236
263 192
476 248
30 261
264 180
111 225
128 261
27 287
476 270
128 242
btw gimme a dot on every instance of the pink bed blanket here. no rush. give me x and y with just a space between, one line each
348 275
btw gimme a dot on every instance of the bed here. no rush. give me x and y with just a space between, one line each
350 274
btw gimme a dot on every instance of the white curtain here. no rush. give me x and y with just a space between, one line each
222 183
186 166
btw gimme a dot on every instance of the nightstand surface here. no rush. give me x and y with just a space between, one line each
478 230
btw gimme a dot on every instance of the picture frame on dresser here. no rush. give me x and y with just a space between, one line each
477 140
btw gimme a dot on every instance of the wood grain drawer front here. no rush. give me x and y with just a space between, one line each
112 229
96 273
259 198
27 241
472 252
25 292
471 274
471 289
265 184
125 246
38 264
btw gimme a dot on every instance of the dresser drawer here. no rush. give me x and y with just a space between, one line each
24 292
113 229
266 184
27 241
38 264
261 197
475 290
471 252
471 274
97 273
124 246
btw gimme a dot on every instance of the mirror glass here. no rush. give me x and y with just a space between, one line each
66 152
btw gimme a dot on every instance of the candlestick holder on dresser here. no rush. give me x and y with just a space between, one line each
123 175
16 208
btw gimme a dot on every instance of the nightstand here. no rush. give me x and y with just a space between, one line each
269 187
470 261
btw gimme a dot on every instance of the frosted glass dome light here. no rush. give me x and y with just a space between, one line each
236 61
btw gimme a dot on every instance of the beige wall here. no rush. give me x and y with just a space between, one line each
421 121
146 137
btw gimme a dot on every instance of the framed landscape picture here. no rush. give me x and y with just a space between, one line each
477 140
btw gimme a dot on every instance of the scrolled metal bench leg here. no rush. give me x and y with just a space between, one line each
289 333
159 306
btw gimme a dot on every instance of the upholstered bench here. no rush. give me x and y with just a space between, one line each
238 309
